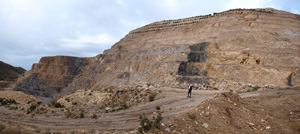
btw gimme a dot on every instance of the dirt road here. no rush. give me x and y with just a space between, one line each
173 103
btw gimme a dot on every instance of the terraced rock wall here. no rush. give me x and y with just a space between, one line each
48 77
228 50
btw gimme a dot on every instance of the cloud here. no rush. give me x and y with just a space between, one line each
295 11
97 39
244 4
120 2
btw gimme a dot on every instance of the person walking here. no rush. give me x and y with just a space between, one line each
190 91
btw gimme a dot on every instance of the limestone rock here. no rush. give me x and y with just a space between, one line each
84 97
260 47
205 125
295 78
226 50
48 77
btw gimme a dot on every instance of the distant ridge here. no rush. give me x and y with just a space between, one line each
9 72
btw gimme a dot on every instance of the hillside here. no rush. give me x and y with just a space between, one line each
234 49
8 72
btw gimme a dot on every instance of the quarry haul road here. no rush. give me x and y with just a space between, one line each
173 103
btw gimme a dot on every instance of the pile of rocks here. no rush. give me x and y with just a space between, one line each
129 96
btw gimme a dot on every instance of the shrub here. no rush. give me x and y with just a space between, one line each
157 120
151 98
4 101
67 99
145 123
57 105
32 107
192 116
157 107
113 110
124 106
12 101
255 88
81 115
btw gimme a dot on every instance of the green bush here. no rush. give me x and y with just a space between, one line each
157 107
151 98
32 107
56 105
81 115
4 101
157 120
255 88
124 106
145 123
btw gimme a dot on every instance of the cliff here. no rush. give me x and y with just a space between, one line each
48 77
227 50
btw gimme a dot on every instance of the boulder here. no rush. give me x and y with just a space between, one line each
295 78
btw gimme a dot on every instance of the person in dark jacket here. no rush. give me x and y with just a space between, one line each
190 91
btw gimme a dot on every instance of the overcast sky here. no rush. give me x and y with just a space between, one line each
31 29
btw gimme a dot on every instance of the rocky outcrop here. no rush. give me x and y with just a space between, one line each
295 78
48 77
227 50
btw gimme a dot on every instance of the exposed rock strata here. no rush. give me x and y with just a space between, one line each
295 78
48 77
226 50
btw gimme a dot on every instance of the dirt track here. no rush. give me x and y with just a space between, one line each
173 103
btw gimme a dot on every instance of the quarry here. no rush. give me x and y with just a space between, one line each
243 64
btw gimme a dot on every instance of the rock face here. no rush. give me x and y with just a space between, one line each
226 50
295 78
48 77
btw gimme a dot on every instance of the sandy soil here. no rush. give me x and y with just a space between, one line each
173 104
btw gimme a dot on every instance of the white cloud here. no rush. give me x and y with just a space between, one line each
171 6
295 11
95 39
244 4
120 2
